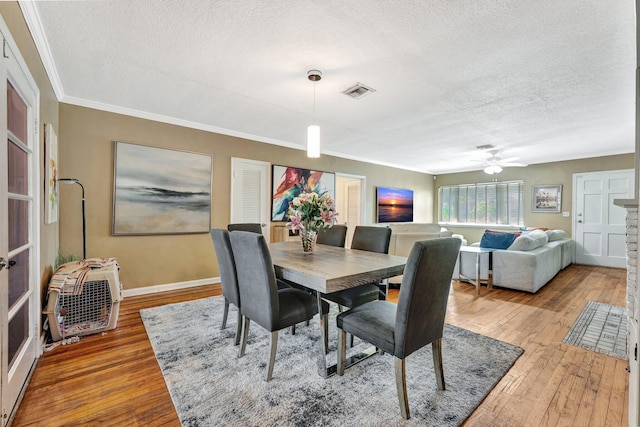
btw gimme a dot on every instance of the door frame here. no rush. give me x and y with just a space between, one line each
19 74
363 198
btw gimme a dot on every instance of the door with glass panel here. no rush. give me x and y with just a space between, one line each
18 224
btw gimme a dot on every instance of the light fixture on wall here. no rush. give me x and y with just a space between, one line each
84 221
313 131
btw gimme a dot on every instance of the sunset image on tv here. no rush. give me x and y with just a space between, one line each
395 205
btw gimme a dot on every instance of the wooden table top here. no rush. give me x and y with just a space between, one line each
330 269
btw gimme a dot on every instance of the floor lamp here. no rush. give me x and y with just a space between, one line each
84 221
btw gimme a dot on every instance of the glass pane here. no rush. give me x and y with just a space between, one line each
471 204
491 204
18 277
18 223
18 332
453 208
462 204
501 204
18 169
444 204
16 114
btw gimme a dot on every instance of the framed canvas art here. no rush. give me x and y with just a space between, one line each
51 168
546 198
160 191
394 204
288 182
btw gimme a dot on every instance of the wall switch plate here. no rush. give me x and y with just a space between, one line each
565 214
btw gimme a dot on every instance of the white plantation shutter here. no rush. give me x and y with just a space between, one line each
495 203
250 196
251 193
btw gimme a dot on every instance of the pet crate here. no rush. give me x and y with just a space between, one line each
93 309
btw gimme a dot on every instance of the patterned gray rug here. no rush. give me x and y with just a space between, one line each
601 328
210 386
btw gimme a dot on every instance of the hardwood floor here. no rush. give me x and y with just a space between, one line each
113 379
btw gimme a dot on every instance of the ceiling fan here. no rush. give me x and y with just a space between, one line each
495 163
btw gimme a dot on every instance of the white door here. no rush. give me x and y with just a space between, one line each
600 226
19 224
350 202
250 193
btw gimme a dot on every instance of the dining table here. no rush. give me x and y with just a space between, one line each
329 269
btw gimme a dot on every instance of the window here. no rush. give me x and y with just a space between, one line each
495 203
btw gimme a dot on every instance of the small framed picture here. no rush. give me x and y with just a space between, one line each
546 198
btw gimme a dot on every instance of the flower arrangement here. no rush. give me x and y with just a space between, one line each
312 212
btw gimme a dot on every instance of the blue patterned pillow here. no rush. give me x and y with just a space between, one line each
497 240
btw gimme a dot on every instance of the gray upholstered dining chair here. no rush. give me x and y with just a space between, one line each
228 278
245 226
272 308
417 319
365 238
334 236
227 267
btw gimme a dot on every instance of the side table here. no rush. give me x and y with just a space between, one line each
478 251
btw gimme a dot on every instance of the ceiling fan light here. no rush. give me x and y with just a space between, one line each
313 141
492 169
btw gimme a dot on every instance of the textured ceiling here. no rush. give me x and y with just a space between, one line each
542 81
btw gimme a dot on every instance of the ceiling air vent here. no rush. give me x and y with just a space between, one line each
358 90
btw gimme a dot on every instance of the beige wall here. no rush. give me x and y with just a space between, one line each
12 16
546 173
86 142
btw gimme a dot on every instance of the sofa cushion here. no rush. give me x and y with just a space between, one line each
415 227
497 240
554 235
529 241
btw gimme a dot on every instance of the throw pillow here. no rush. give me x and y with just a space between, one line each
554 235
497 240
529 241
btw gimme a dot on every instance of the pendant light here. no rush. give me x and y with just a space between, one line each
313 131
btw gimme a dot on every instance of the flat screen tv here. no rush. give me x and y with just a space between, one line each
394 205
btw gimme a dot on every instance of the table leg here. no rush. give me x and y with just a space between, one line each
478 274
322 349
490 272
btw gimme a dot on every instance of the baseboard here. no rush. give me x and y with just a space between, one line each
168 287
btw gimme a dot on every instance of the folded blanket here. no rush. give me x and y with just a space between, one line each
70 277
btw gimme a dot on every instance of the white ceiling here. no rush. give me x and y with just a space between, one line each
541 80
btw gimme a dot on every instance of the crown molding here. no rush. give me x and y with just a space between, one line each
31 16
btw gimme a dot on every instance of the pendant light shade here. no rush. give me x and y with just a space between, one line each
313 131
313 141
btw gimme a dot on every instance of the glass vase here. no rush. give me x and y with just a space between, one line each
308 240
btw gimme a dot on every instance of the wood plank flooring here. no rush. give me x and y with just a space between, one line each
112 379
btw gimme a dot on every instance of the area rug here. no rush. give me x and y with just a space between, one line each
601 328
210 386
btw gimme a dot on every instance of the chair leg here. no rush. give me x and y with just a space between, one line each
238 328
401 386
342 351
293 329
225 313
350 340
436 349
245 334
272 357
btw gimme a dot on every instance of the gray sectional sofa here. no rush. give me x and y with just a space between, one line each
532 260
